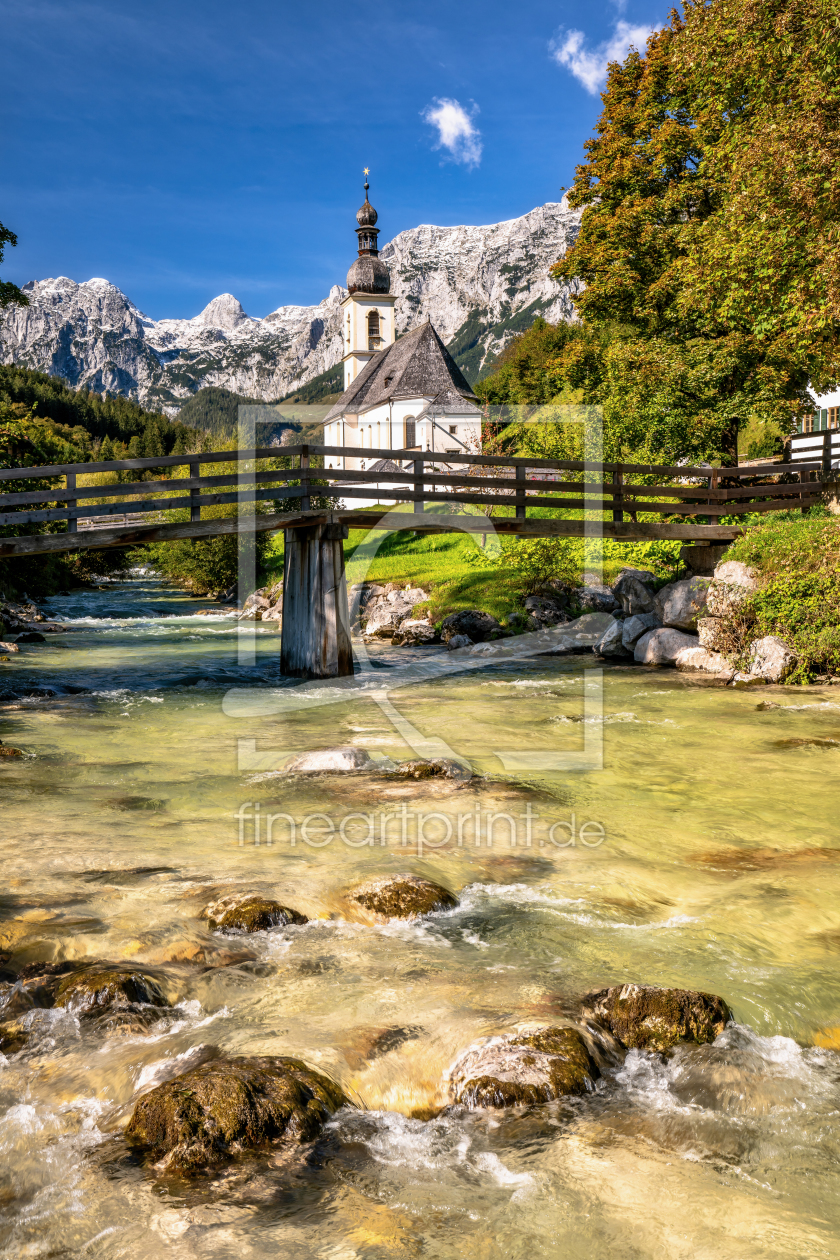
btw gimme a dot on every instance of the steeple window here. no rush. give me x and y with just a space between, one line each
373 330
410 433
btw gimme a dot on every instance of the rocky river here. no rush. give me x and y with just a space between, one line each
423 962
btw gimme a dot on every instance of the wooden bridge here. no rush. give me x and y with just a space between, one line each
597 499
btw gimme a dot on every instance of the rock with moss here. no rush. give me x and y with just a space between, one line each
523 1069
642 1017
108 987
213 1113
402 896
434 768
251 914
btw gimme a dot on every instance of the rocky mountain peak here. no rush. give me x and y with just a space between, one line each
225 311
480 286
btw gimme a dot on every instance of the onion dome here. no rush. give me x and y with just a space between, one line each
366 216
368 273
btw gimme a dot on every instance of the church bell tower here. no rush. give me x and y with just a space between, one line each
368 309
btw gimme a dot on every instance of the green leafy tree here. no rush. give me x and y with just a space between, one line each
709 231
10 294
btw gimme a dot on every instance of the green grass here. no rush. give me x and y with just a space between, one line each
449 567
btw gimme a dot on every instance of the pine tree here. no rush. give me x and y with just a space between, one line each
152 444
106 450
135 448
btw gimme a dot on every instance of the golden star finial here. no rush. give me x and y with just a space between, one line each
367 170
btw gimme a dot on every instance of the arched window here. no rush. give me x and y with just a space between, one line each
373 330
410 433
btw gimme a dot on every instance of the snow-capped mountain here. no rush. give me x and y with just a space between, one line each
479 285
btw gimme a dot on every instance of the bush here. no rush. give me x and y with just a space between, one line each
798 600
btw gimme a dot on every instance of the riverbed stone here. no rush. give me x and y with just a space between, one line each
771 658
329 761
596 598
402 896
476 625
523 1069
216 1111
543 610
6 750
701 661
680 603
251 914
459 641
8 647
642 1017
634 627
30 636
634 591
610 644
384 614
433 768
415 633
663 646
110 986
732 583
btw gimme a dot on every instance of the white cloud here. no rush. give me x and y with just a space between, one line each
589 65
456 130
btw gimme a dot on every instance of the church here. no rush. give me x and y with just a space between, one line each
405 394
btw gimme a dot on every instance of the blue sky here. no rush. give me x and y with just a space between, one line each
187 149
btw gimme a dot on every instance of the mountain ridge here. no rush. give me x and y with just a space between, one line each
479 286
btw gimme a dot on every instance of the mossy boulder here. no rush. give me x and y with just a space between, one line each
108 986
251 914
402 896
642 1017
436 768
229 1105
523 1069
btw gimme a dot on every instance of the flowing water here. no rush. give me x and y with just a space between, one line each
710 861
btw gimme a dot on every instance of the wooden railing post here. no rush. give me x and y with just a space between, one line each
195 506
804 477
304 479
72 521
826 456
618 495
419 501
520 492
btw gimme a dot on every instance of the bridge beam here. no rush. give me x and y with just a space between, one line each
316 620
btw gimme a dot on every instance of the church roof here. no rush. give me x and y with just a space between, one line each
417 366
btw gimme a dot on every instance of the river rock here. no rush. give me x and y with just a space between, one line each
663 646
634 627
434 768
30 636
402 896
250 914
329 761
732 583
459 641
681 603
700 660
610 643
476 625
596 598
6 750
770 658
642 1017
8 647
415 633
215 1111
385 614
108 985
523 1068
544 611
634 591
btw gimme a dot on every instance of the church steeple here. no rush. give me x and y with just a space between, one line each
368 274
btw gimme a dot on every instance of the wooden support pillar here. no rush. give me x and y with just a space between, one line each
826 456
316 620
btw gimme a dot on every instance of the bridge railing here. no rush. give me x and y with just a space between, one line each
422 477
